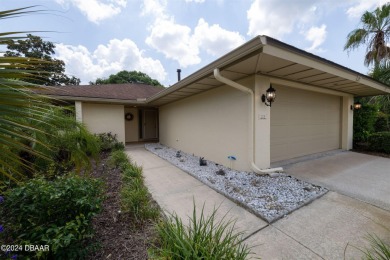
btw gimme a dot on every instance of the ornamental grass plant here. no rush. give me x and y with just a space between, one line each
135 198
204 238
378 250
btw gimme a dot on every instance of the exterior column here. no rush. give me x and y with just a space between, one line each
79 111
347 123
262 125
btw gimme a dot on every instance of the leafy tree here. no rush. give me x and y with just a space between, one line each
125 76
35 47
375 33
382 74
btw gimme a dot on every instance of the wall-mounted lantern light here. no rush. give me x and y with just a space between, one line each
269 96
356 106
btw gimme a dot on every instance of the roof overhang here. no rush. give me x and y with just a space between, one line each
98 100
278 61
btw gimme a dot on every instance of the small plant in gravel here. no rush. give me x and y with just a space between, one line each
204 238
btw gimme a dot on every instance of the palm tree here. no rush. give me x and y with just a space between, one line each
20 108
381 72
375 33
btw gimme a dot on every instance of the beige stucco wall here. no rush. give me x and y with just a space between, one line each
131 127
261 125
79 110
347 123
213 124
104 118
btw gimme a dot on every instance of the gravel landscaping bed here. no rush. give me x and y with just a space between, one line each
268 197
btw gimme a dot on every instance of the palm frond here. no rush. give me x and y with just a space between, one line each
382 72
356 38
21 111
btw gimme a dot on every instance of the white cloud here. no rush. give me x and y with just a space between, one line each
174 41
181 43
96 10
107 59
360 6
177 41
214 39
278 17
157 8
195 1
317 36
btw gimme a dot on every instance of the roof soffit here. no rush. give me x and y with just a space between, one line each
291 59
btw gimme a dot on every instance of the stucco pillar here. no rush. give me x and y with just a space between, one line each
262 123
347 123
79 111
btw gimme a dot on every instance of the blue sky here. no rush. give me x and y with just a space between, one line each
97 38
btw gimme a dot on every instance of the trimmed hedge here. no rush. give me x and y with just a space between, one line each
363 122
382 123
380 142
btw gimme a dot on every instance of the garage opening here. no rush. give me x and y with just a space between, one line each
304 122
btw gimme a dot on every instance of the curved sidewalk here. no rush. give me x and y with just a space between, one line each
321 230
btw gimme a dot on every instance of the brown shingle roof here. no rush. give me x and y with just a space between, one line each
131 91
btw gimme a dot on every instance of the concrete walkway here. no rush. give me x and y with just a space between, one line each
360 176
324 229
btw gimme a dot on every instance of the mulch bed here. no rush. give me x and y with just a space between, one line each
118 235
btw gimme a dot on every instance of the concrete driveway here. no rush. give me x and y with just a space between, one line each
332 227
360 176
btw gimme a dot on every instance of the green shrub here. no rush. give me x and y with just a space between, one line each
55 144
363 122
66 145
57 213
380 142
135 198
204 238
382 123
118 159
109 142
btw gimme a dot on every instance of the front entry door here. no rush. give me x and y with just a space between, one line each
150 124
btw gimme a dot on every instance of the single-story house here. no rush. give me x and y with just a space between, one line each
219 112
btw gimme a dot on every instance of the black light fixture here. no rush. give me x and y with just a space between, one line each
269 96
356 106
